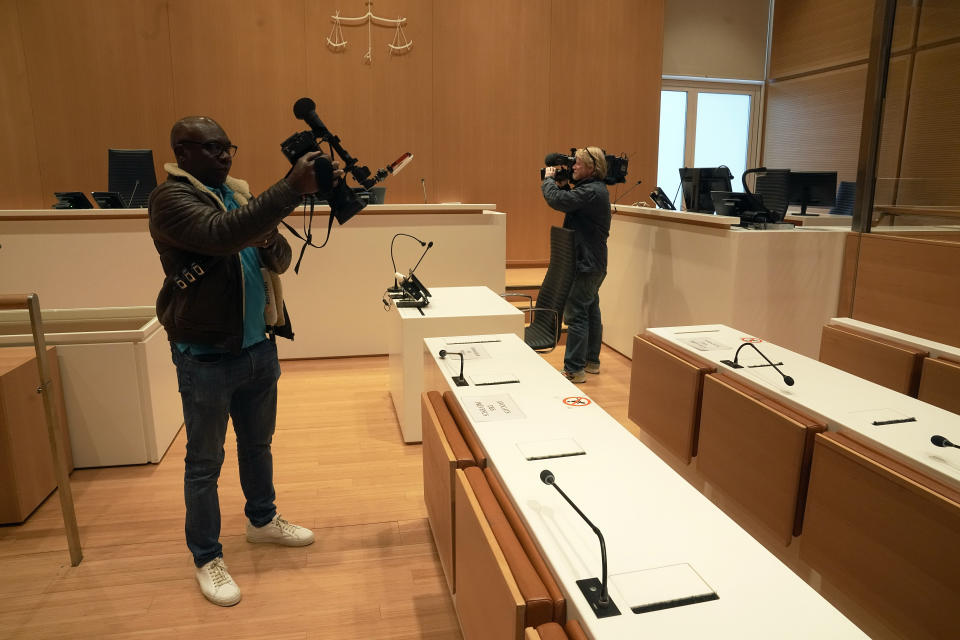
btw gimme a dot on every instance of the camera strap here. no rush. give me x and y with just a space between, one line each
307 236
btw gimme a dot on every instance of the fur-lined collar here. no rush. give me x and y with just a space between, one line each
240 188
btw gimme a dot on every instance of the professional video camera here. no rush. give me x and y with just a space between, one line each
344 203
616 166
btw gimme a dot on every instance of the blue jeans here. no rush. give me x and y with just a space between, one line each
212 387
582 315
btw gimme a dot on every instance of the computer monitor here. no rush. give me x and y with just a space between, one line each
131 174
699 182
108 199
813 188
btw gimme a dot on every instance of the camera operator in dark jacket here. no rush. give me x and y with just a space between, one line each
221 251
587 208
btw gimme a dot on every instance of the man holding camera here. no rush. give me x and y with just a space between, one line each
220 249
586 204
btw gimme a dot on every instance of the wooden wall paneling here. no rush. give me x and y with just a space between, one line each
19 164
939 20
891 131
909 285
818 34
851 253
813 122
242 63
381 109
940 384
99 79
931 157
492 111
612 54
883 362
878 533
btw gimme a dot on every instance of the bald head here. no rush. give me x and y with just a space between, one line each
187 139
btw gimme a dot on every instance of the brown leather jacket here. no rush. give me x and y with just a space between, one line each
191 225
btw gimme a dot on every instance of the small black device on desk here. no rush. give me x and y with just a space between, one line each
108 199
71 200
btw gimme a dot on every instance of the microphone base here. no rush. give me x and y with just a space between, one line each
412 304
461 381
732 364
592 590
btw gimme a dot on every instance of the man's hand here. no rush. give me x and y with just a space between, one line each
265 240
549 171
302 176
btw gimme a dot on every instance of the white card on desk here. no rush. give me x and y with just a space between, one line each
675 585
498 377
544 449
705 344
493 408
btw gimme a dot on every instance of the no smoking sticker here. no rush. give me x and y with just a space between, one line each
748 339
576 401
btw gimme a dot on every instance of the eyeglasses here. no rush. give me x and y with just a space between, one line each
213 147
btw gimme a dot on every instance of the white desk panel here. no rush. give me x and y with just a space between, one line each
844 402
451 310
649 515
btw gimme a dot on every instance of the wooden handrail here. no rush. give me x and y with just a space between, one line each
31 302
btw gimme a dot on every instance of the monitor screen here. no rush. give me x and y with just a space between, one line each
699 182
813 188
131 174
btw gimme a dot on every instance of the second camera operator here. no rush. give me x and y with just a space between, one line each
586 203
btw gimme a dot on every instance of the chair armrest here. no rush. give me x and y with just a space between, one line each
520 295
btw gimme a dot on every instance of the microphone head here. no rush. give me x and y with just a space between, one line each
940 441
302 107
429 244
546 476
443 353
788 380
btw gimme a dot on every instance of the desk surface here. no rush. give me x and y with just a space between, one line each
936 349
649 515
844 402
458 302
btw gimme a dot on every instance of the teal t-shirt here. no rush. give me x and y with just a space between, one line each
254 294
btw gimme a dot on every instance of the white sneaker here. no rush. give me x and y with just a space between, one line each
279 531
216 584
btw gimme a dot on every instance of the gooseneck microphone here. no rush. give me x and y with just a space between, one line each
459 380
940 441
136 185
396 284
598 599
733 363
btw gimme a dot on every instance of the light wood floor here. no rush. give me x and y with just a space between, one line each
341 468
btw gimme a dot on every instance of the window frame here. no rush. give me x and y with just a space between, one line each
693 88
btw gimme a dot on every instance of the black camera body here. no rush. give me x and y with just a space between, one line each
344 204
616 166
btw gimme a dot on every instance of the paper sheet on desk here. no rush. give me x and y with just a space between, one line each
705 343
493 408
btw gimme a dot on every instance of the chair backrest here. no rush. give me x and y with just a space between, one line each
772 188
845 193
556 283
131 174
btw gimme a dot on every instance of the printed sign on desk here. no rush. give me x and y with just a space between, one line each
704 344
493 408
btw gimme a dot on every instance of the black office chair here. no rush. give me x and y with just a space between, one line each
845 194
772 187
543 332
130 174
